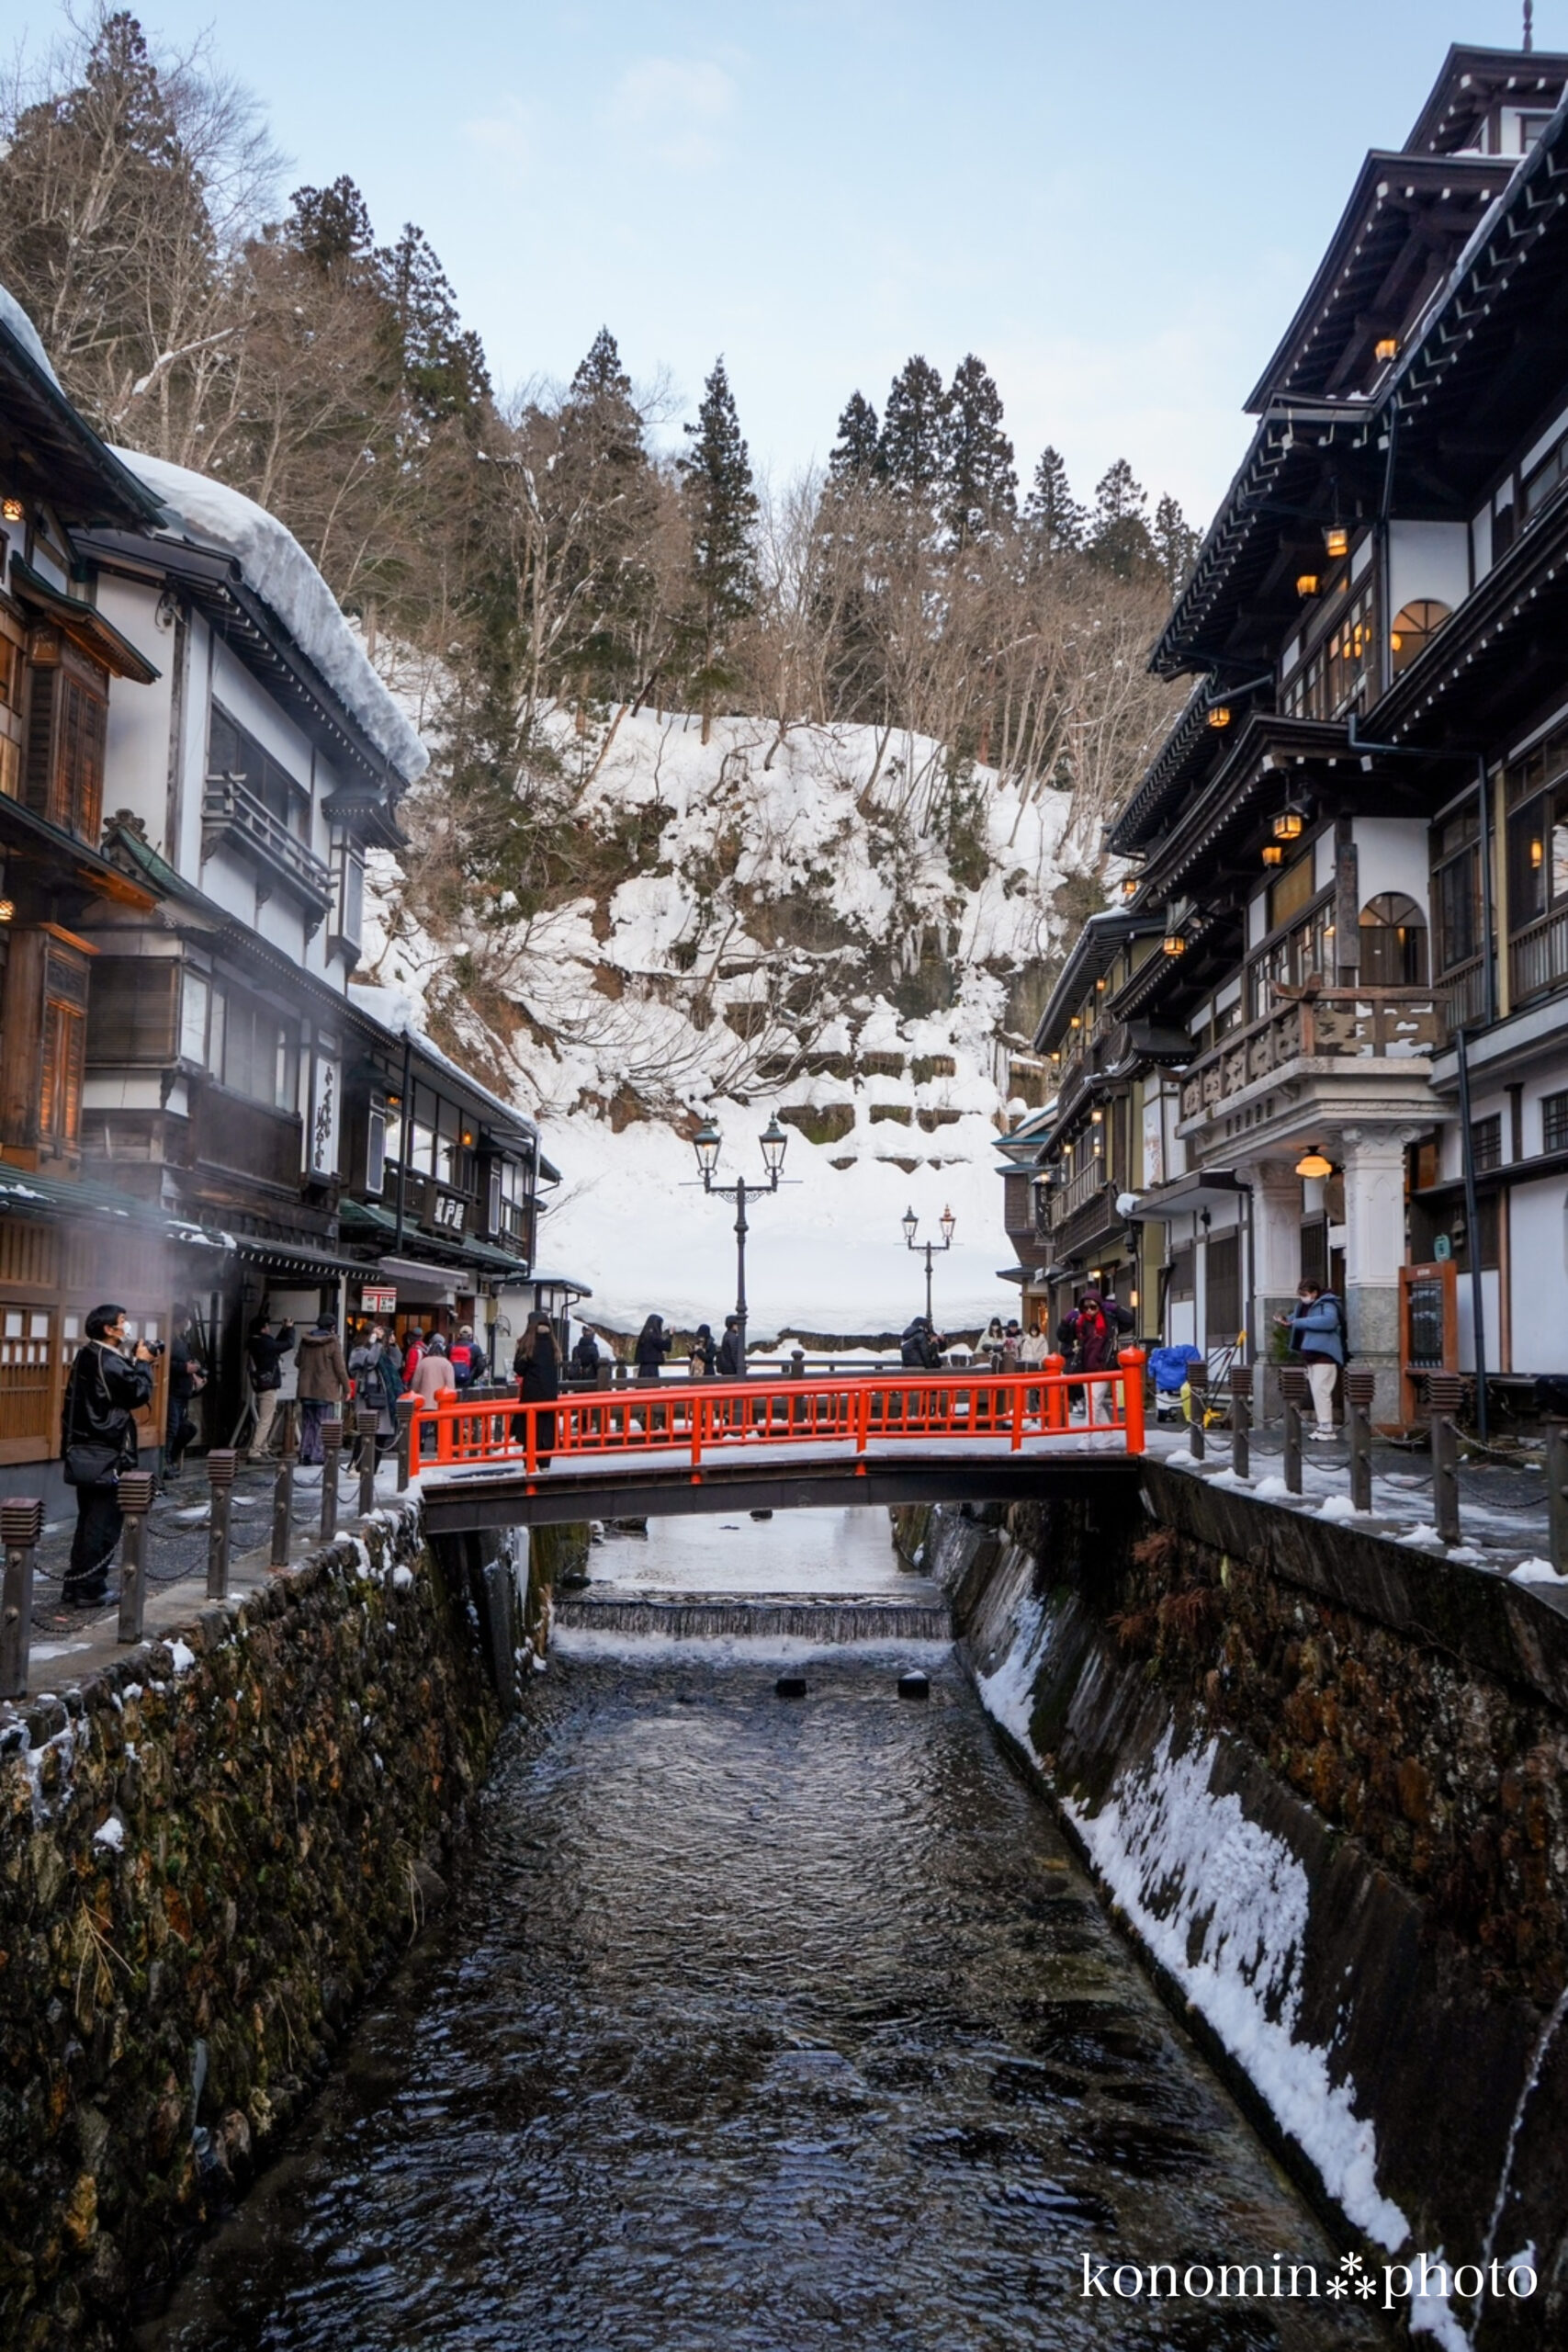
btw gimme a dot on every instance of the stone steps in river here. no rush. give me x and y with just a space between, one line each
809 1617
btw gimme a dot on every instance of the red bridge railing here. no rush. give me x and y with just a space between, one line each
704 1418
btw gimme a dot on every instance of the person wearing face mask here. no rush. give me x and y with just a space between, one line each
109 1382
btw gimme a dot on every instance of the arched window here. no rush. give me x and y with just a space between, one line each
1414 627
1394 942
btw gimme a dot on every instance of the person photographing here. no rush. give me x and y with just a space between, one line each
109 1382
1315 1333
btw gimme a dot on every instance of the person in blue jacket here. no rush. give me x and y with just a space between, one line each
1316 1333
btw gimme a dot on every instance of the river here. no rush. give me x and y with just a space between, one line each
759 2026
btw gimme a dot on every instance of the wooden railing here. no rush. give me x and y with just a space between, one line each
1077 1191
1538 959
700 1419
230 806
1376 1024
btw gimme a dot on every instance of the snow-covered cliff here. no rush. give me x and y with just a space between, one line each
830 926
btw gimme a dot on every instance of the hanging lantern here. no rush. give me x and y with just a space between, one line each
1291 822
1272 854
1306 584
1220 716
1337 541
1387 347
1312 1164
1173 943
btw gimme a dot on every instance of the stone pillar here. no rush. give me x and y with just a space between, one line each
1276 1270
1375 1251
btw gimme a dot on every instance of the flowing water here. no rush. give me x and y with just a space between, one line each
759 2026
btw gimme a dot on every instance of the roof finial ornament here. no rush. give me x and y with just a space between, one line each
1529 26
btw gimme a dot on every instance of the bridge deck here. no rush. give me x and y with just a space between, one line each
769 1477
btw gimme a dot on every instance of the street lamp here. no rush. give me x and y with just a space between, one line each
706 1144
911 1224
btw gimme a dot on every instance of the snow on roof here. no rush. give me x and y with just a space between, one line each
396 1010
277 568
20 328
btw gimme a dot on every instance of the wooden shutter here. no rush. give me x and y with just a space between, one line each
67 717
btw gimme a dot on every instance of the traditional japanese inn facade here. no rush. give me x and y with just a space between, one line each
1346 893
200 1112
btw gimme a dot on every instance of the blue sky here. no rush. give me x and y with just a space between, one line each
1117 207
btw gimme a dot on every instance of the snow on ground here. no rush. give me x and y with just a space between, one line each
793 938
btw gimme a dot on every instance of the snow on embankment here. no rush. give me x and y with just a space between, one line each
801 927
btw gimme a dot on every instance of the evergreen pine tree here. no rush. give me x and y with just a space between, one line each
982 485
601 497
1176 544
1118 532
330 226
857 450
722 507
443 362
913 448
1051 511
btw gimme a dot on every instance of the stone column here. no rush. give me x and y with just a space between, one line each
1276 1270
1375 1251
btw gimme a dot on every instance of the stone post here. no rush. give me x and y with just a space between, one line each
1375 1251
368 1420
1293 1391
22 1525
1361 1390
1445 1394
135 1500
221 1464
332 1456
282 1490
1241 1419
1277 1267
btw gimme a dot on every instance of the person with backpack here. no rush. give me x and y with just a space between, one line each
467 1358
265 1352
1316 1333
732 1364
585 1356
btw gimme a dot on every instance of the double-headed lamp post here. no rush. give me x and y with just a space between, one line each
706 1143
911 1227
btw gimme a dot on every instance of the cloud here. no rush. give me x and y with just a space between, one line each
506 138
672 111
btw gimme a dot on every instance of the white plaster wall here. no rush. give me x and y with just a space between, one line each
1391 854
1489 1308
1538 1254
1257 919
192 750
1481 544
1428 559
1323 860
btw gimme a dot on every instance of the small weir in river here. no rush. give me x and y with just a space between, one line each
759 2027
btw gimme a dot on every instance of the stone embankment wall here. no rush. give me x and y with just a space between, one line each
208 1852
1324 1777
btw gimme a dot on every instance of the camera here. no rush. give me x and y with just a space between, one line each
155 1347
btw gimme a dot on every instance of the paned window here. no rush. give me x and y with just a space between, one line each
64 773
132 1010
232 750
1456 892
376 1144
1394 942
1554 1122
1487 1142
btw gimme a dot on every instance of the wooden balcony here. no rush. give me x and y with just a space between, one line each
1385 1025
230 811
1080 1188
245 1138
1537 957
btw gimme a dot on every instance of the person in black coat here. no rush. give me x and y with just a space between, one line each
652 1347
704 1355
732 1356
585 1355
185 1379
104 1392
537 1367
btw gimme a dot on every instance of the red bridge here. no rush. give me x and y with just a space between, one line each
675 1446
